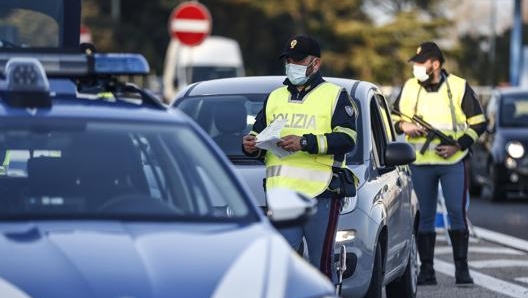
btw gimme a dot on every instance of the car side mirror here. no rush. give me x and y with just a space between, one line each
287 208
399 153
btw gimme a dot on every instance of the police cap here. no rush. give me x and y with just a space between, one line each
300 46
426 51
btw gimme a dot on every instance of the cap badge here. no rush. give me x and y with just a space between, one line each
418 50
293 43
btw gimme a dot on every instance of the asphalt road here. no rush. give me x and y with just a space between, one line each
498 271
499 268
509 217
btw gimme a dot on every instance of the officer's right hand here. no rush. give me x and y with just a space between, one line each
412 129
249 143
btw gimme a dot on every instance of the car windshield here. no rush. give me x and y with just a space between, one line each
71 168
205 73
514 111
226 118
30 23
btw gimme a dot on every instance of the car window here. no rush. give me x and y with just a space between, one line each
225 118
514 111
204 73
73 168
379 132
356 155
42 31
385 117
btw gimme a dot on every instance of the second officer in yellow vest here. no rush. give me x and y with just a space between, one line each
320 129
449 104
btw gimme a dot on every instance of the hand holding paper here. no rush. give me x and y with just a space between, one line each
270 136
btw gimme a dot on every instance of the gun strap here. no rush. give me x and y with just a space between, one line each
417 100
451 105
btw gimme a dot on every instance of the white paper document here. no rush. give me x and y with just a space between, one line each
270 136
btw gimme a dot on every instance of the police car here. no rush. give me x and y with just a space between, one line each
377 227
106 192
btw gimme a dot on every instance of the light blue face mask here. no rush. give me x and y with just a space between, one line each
297 73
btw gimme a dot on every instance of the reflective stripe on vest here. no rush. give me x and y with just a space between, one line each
435 108
303 172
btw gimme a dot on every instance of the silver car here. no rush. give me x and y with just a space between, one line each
378 226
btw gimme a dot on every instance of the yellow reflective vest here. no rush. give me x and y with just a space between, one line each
442 109
303 172
5 164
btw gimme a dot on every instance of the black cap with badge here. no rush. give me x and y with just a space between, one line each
300 46
426 51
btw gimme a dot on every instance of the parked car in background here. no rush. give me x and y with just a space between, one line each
184 64
503 172
108 192
377 226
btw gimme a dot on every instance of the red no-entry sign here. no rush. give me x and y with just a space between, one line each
190 23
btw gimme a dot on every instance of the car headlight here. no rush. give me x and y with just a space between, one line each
510 163
515 149
345 235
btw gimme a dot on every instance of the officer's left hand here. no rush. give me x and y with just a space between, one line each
290 143
250 143
446 151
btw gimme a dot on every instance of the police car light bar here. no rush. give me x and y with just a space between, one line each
120 64
80 65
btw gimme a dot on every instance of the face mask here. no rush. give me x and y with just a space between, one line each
420 73
297 73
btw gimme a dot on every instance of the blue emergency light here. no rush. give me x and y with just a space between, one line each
120 64
25 75
68 65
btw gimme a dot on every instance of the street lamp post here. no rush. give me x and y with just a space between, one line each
516 44
116 10
492 42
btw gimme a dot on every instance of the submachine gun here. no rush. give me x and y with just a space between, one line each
432 132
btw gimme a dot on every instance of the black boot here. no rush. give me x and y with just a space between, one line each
426 244
460 241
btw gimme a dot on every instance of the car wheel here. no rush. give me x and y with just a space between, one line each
494 191
376 281
407 285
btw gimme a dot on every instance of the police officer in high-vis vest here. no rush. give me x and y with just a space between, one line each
320 129
449 104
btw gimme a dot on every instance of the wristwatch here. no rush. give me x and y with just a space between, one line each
304 142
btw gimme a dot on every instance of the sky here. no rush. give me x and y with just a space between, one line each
476 16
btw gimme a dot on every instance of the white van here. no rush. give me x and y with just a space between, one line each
216 57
